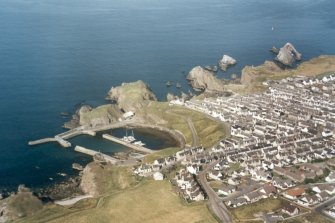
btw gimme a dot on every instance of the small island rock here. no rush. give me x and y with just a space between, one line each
226 61
288 55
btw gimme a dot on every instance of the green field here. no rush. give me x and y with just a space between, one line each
175 117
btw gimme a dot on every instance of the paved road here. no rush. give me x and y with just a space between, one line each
194 133
215 202
319 208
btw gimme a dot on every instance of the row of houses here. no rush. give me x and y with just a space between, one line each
266 191
310 196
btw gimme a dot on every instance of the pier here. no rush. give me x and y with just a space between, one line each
90 152
58 139
127 144
61 138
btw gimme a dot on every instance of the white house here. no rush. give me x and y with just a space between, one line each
331 177
158 176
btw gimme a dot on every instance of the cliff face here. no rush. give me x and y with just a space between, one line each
102 115
270 70
202 79
251 74
88 184
131 96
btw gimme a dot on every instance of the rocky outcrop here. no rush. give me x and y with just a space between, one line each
270 70
288 55
131 96
102 115
88 183
226 61
204 80
170 97
274 50
251 74
18 205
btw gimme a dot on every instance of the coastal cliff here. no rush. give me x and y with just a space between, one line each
204 80
21 204
131 96
270 70
100 179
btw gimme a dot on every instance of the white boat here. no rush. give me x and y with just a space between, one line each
139 143
130 138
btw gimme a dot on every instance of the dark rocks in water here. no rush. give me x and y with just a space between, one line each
61 190
287 55
211 68
274 50
168 84
77 166
65 114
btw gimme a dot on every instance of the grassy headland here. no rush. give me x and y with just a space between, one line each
150 201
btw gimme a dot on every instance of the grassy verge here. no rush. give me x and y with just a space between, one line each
265 205
160 154
309 218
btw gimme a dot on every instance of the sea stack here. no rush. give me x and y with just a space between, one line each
226 61
288 55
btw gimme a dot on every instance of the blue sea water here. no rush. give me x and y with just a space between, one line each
57 53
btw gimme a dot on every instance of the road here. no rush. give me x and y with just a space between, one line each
215 203
195 137
319 208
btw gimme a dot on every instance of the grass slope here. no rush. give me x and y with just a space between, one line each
151 201
175 117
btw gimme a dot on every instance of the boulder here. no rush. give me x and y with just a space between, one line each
288 55
226 61
204 80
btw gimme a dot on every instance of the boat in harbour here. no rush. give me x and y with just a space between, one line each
168 84
139 143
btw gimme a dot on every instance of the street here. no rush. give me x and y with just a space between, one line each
215 203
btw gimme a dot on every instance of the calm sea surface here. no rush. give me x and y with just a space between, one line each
55 54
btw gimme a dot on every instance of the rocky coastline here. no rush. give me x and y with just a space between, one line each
131 98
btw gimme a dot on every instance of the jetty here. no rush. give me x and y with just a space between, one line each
127 144
58 139
61 138
91 152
